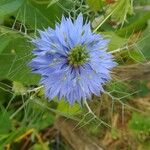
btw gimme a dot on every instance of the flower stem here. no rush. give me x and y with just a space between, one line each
89 109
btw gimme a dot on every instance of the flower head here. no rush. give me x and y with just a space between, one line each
72 61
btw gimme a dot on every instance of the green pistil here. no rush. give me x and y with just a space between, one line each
78 56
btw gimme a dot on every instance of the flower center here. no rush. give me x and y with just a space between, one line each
78 56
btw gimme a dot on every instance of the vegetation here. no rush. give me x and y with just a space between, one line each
117 120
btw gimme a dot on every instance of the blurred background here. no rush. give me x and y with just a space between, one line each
121 119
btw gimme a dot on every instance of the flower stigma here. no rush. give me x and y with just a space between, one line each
78 56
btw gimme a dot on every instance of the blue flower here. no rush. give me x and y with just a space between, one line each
72 61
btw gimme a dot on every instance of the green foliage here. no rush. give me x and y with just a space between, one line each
137 55
52 2
4 40
38 15
5 123
46 120
140 123
95 5
9 6
142 86
123 8
142 45
115 41
14 60
5 94
142 2
65 107
40 146
9 138
136 23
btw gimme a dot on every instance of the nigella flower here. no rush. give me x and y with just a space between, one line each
72 61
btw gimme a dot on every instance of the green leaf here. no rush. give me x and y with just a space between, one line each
9 6
46 120
95 5
142 87
5 123
143 45
123 8
142 2
115 41
52 2
9 138
5 88
119 89
4 40
43 146
65 107
140 123
135 24
136 55
14 62
36 16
